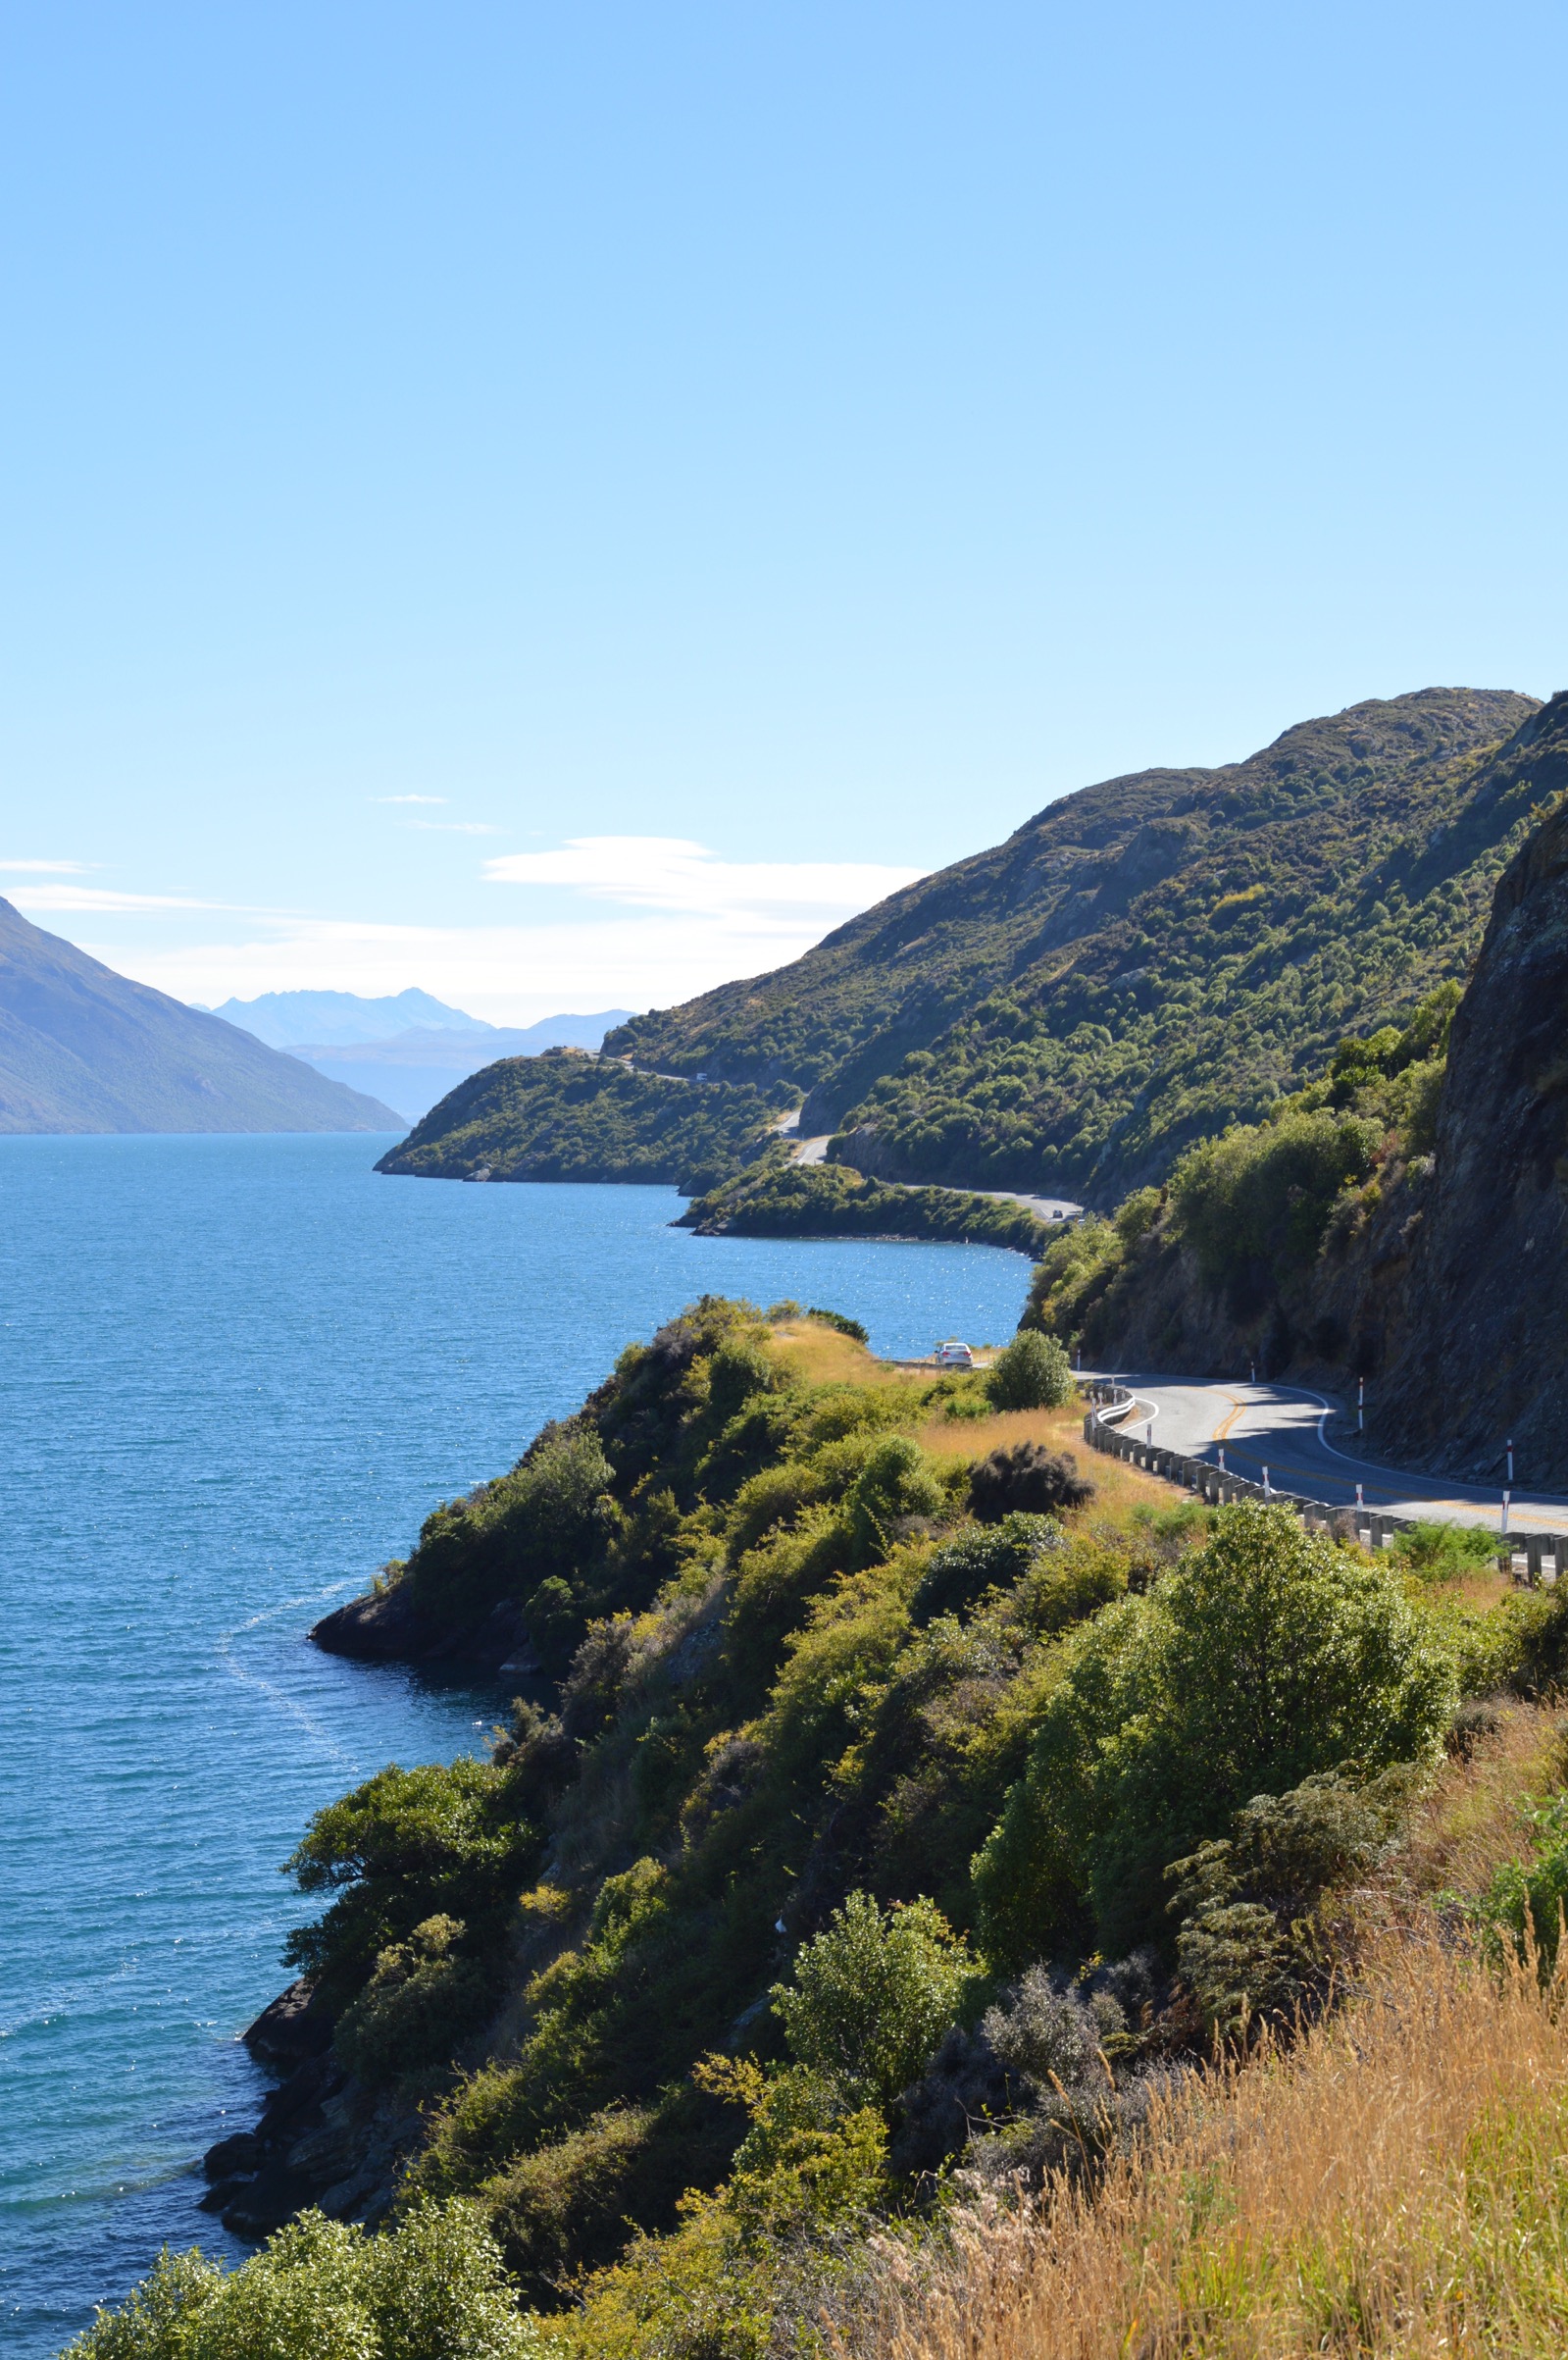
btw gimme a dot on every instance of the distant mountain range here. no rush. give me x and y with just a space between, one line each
409 1048
293 1019
82 1048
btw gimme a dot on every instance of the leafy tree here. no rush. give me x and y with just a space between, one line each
873 1994
1272 1655
1032 1373
406 1847
431 2289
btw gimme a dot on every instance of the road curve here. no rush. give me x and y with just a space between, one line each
1308 1444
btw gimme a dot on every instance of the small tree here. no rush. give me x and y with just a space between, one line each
1025 1479
1032 1373
873 1995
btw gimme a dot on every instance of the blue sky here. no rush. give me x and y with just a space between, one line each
559 505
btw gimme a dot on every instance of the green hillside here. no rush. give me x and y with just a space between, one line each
892 1805
566 1116
1144 960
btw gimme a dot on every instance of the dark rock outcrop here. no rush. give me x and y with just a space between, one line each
320 2139
1480 1349
388 1627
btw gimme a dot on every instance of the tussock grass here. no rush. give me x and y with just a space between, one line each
1119 1488
1397 2184
1394 2182
820 1355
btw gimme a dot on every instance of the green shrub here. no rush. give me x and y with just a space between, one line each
983 1556
873 1994
432 2290
896 1481
1032 1373
1262 1197
405 1847
422 2001
1440 1553
1270 1656
1523 1906
841 1320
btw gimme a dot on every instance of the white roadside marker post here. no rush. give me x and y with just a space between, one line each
1267 1493
1507 1497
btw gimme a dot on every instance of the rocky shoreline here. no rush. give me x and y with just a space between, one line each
320 2139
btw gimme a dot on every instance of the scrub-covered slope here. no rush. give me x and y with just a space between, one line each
82 1048
1141 962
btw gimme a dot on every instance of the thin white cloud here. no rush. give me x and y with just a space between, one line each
408 798
45 868
671 873
103 899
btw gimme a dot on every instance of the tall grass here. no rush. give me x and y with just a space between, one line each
1393 2182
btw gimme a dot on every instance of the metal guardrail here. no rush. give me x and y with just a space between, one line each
1533 1558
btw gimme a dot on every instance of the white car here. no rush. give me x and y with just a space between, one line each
953 1355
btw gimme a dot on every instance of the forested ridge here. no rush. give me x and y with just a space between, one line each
1146 961
891 1827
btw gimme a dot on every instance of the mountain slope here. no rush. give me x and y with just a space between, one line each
1141 962
82 1048
290 1019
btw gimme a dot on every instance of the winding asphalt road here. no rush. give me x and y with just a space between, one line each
1308 1444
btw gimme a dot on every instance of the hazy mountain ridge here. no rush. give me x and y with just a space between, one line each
82 1048
1142 962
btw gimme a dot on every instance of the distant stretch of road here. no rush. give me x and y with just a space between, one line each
1308 1445
1044 1209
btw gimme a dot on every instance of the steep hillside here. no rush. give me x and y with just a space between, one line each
1405 1219
82 1048
1141 962
1480 1348
568 1116
892 1805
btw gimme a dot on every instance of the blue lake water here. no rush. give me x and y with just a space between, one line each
234 1375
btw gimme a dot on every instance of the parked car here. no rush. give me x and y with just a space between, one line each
953 1355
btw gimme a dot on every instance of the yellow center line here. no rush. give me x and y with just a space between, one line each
1222 1431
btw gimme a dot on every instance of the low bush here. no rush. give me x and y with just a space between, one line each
431 2289
873 1994
1025 1479
1032 1372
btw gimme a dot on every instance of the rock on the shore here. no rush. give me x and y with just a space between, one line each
387 1626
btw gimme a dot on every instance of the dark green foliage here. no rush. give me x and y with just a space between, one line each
569 1116
844 1323
983 1558
535 1525
829 1200
1254 1204
407 1846
424 1999
1032 1373
1145 961
1269 1657
1250 1945
1024 1478
1258 1214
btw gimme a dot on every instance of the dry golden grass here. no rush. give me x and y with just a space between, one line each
1119 1488
821 1356
1470 1821
1395 2185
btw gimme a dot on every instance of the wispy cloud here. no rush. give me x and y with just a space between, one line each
44 868
408 798
671 873
104 900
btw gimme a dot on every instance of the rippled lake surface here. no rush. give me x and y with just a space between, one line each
234 1375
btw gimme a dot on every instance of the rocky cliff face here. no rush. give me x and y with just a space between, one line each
1478 1350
